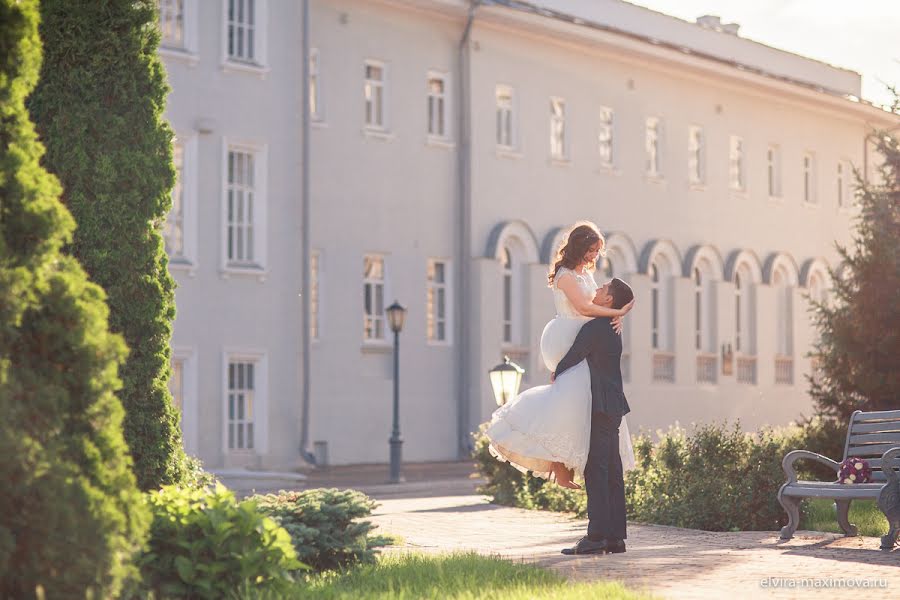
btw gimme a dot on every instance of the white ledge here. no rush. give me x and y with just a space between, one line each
180 54
233 66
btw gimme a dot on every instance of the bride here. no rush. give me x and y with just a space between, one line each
547 429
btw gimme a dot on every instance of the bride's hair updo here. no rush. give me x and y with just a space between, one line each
582 236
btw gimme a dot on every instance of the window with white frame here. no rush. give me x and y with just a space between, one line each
437 106
507 265
844 188
176 386
558 128
696 166
773 171
241 208
605 137
241 404
315 99
737 166
171 23
652 134
506 133
698 310
173 232
374 91
373 298
783 313
314 274
243 31
739 321
809 181
437 300
744 327
654 306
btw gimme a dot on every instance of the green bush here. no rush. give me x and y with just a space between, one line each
99 108
323 525
205 544
716 478
195 477
71 516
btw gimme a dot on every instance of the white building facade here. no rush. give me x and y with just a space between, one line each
450 145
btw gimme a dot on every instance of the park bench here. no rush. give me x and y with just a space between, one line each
874 436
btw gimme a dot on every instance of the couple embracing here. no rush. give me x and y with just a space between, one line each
572 426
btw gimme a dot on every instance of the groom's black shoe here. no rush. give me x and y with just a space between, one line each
615 546
587 546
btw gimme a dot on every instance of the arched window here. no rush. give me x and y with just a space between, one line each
738 317
816 287
698 309
784 362
507 296
654 296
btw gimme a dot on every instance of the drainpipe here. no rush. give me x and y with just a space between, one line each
305 246
464 237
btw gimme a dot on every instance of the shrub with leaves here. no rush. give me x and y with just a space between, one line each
324 525
205 544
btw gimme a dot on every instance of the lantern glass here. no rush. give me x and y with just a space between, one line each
396 315
505 380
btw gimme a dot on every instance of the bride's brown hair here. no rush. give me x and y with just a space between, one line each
582 236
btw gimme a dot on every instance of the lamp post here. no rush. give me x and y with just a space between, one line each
396 314
505 380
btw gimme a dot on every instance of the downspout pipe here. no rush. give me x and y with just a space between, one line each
305 245
464 237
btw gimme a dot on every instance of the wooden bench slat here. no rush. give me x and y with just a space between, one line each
870 450
871 438
876 415
875 427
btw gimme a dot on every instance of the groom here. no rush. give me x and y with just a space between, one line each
602 347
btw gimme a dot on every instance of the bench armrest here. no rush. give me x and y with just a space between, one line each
887 464
787 462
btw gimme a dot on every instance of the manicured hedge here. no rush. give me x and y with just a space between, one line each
71 516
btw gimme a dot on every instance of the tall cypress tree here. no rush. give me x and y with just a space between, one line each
859 332
98 106
71 515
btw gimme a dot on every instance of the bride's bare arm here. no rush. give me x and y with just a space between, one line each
569 286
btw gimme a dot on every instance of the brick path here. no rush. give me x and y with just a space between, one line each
666 561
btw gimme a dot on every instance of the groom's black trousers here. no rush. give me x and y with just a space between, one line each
604 480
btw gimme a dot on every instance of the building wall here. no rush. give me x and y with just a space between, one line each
396 194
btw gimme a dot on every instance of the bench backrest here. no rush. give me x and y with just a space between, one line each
870 435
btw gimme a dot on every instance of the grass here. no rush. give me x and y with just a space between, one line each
820 516
458 576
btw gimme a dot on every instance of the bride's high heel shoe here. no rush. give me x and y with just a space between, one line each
564 481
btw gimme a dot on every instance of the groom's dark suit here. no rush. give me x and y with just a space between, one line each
603 477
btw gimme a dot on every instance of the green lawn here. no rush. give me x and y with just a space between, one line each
454 576
864 514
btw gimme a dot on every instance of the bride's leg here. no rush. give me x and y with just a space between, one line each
564 476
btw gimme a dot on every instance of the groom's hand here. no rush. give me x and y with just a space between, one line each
552 376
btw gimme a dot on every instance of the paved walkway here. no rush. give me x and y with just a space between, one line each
445 515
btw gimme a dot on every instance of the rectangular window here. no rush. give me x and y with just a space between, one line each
695 155
242 30
505 117
436 301
241 201
373 298
809 178
773 171
437 105
651 143
736 171
315 101
176 385
241 404
314 272
374 94
605 137
558 128
844 190
173 232
171 23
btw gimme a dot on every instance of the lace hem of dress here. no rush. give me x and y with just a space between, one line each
559 447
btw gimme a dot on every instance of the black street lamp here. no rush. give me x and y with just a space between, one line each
396 314
505 380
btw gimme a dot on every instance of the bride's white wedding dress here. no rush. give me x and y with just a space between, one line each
552 423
